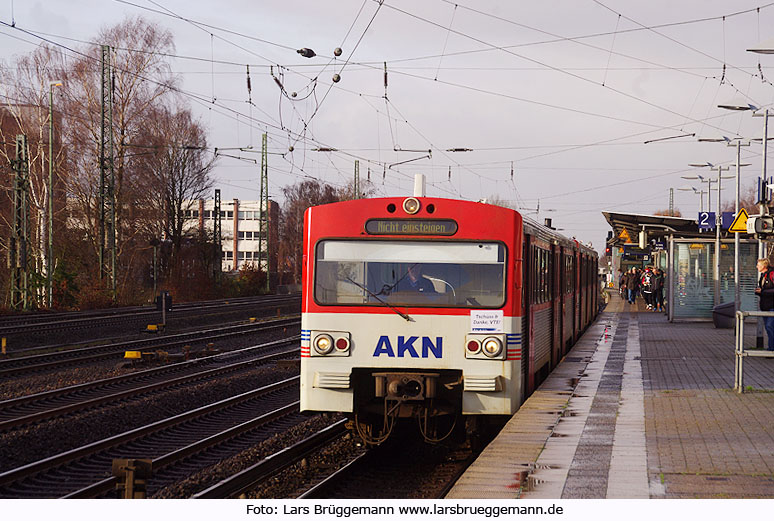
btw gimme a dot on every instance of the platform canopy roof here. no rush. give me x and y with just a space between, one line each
626 226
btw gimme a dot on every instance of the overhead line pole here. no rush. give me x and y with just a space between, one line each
737 288
107 214
50 252
217 244
18 247
263 206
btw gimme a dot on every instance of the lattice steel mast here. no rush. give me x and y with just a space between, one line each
107 195
17 251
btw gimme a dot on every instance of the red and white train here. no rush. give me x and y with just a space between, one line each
435 309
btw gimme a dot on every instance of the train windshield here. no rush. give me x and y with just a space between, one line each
405 273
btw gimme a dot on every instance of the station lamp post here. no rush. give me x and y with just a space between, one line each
716 275
739 165
709 182
738 144
700 193
50 252
766 47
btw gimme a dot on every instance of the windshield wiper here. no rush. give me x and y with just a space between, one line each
374 295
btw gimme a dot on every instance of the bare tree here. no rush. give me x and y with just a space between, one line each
141 80
675 213
177 170
497 200
298 198
25 110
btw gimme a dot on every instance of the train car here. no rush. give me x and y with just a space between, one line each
442 311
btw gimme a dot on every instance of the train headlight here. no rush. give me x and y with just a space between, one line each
323 344
411 205
492 347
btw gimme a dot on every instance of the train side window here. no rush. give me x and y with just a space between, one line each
536 274
542 283
550 288
542 276
546 276
533 275
543 268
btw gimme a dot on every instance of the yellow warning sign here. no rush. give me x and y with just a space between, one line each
740 223
625 235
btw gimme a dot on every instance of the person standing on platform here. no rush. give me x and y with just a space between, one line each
646 285
765 291
632 283
622 283
658 293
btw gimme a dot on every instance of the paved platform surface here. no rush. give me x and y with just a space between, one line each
639 408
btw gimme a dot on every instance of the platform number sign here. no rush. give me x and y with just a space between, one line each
706 220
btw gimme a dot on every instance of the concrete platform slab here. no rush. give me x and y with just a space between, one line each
652 414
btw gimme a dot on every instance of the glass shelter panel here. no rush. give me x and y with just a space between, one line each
402 273
693 268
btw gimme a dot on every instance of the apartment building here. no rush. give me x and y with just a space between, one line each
241 238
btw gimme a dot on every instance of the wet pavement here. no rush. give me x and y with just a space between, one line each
640 408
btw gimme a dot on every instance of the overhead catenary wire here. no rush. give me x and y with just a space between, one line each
251 119
198 99
506 96
523 57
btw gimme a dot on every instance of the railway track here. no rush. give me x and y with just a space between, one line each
33 318
249 478
42 406
401 469
398 469
178 446
14 367
31 331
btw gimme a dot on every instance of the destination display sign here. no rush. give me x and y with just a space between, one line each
411 227
635 253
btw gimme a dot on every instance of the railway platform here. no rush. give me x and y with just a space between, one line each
639 408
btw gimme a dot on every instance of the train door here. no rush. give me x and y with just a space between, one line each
566 289
528 266
556 304
583 293
577 295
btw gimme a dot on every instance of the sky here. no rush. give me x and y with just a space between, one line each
559 108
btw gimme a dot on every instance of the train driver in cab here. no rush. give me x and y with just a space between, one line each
414 281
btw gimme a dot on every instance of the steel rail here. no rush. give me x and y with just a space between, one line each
320 490
31 363
94 322
66 316
106 485
30 469
250 477
373 462
138 391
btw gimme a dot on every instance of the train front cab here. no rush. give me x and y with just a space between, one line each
403 355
